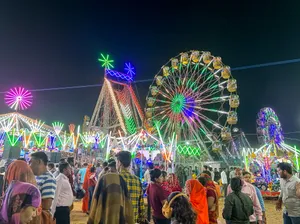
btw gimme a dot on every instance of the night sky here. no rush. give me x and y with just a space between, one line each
47 44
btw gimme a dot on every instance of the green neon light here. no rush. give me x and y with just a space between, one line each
188 150
13 139
106 62
39 140
178 103
130 125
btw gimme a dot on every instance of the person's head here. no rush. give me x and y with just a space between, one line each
205 167
62 160
64 168
236 184
20 171
231 168
247 176
98 165
22 159
93 169
285 170
202 180
70 160
38 163
85 165
104 164
206 172
210 169
194 188
50 166
20 203
164 175
182 210
112 165
155 176
123 160
215 169
238 172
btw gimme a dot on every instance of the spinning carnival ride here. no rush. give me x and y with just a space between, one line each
117 107
194 97
273 150
269 132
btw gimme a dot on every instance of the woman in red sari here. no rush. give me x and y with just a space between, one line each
212 198
85 186
170 183
197 195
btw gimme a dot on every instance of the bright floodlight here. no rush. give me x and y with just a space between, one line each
18 98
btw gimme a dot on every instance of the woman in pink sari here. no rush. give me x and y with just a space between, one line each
20 203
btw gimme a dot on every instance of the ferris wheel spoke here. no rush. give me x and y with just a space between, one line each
213 110
208 120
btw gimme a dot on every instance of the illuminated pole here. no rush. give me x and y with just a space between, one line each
108 145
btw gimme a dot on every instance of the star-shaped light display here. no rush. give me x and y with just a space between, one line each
106 62
129 69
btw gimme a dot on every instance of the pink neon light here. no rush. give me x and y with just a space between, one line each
18 98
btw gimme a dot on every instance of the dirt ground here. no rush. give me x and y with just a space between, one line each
273 217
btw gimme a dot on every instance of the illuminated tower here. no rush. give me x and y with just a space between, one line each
117 110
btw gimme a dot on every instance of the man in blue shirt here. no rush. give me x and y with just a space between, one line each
81 174
45 180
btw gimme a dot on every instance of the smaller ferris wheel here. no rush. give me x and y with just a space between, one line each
269 128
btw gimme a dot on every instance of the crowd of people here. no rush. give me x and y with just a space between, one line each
111 193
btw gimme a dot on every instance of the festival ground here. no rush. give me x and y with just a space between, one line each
273 217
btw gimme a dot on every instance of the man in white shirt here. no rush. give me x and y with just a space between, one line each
147 173
63 195
224 181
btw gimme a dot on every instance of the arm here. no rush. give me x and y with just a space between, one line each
229 189
48 193
227 211
260 198
141 205
256 205
57 193
210 202
298 189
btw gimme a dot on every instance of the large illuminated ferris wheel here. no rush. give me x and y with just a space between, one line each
194 96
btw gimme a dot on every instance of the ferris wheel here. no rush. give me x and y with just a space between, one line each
268 127
194 96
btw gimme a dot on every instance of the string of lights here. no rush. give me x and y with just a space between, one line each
150 80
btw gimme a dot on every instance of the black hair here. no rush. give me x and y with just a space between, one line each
93 169
22 159
164 173
41 156
70 160
62 160
182 209
154 174
236 184
62 166
112 163
207 172
285 166
104 164
51 165
125 158
246 173
210 168
85 164
98 165
202 180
